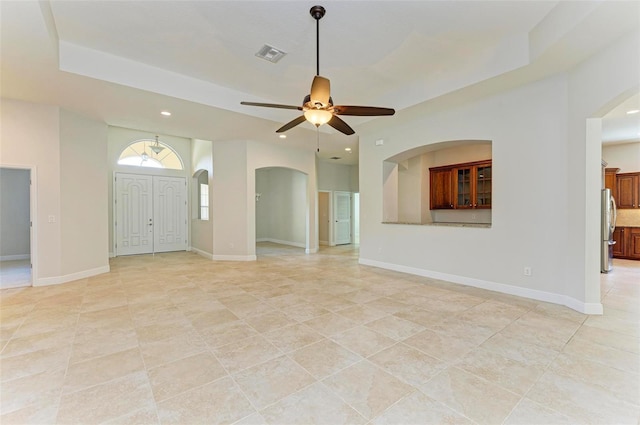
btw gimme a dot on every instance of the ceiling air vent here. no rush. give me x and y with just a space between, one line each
270 53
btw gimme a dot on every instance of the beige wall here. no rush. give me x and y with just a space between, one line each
30 136
340 177
201 230
37 136
83 193
625 156
546 170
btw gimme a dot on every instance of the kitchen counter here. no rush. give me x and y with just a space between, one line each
475 225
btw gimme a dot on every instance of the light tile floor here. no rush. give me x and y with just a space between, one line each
15 273
310 339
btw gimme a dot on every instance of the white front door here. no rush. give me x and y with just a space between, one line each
150 214
134 214
342 217
169 214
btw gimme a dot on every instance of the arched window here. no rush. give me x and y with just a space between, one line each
201 187
150 153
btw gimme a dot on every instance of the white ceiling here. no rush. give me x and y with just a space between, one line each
125 61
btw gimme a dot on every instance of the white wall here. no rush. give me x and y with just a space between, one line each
14 214
332 176
202 230
30 136
526 126
625 156
84 223
546 177
263 205
410 190
37 136
593 85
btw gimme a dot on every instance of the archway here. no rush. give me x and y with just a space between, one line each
281 210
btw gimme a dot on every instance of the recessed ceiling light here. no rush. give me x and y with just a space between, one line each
633 111
166 113
283 136
347 149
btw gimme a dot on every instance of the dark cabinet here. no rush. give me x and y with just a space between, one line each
440 182
610 180
461 186
618 247
627 243
628 190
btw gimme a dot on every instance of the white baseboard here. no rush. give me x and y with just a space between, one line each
111 254
281 242
216 257
582 307
311 251
324 243
15 257
205 254
56 280
15 285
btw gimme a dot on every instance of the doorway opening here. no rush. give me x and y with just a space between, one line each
16 239
282 216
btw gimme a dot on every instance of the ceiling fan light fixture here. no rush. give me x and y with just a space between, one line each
318 117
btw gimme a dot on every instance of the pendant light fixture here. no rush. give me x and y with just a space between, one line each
156 148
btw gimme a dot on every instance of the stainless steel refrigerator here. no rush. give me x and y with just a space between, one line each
608 225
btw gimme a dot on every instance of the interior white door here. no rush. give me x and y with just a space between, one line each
342 217
169 217
134 214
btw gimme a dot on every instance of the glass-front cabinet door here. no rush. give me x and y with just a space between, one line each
472 186
463 188
483 187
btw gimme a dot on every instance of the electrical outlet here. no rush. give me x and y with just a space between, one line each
52 219
527 271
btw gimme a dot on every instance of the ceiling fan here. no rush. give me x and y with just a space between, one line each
318 107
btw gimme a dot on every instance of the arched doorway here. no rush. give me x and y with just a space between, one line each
281 210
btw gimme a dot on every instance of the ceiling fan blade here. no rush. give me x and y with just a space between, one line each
363 111
340 125
320 90
272 105
291 124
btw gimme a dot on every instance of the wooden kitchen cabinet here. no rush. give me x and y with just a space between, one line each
610 175
627 243
618 247
461 186
628 190
440 181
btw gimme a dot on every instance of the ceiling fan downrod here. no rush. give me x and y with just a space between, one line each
317 12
